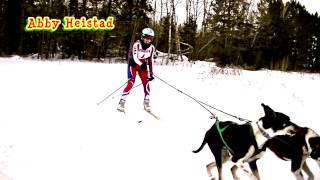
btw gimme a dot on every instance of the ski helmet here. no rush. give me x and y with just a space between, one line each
147 35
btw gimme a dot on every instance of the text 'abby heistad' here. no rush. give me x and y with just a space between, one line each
69 24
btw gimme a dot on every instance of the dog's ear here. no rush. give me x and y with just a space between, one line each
268 111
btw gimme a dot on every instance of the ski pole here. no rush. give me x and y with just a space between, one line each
130 90
110 94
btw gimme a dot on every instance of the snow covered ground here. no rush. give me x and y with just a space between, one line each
51 127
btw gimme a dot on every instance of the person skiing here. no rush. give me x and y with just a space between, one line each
140 61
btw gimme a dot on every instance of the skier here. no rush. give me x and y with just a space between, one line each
140 61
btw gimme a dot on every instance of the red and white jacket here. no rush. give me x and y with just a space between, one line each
141 56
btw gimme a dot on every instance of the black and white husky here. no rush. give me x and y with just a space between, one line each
297 148
241 142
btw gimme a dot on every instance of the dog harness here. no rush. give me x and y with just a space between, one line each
221 130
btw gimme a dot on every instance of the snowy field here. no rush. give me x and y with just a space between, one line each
51 127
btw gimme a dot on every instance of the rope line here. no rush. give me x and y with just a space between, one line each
203 104
186 95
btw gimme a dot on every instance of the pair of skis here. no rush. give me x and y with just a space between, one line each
147 111
152 114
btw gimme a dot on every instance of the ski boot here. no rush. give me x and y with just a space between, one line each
121 105
146 105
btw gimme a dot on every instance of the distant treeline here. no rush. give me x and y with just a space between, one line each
271 35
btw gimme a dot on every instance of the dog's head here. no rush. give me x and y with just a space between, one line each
277 123
315 148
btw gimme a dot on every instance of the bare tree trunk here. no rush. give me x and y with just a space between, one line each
204 26
195 9
187 10
213 38
168 7
178 42
169 40
174 20
170 21
161 6
154 13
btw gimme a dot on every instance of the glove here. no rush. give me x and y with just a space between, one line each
151 78
143 66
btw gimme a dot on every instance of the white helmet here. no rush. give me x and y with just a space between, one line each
148 31
147 35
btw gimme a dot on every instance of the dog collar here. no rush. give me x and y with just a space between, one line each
264 133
